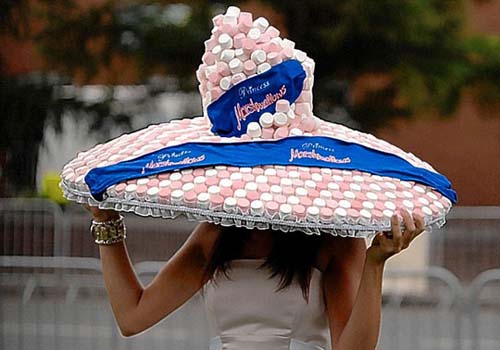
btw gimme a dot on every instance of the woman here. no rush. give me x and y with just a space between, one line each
350 284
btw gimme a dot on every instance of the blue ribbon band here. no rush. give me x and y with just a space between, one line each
309 151
245 102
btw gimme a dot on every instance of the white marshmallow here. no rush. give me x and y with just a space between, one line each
240 54
258 56
287 43
266 120
225 41
210 69
280 119
236 66
225 83
230 19
261 23
299 55
261 68
217 50
233 11
254 130
254 34
227 55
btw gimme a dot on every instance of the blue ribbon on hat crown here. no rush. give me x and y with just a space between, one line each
308 151
248 100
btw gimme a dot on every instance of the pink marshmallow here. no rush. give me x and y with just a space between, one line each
222 174
248 46
308 84
215 93
287 53
272 208
249 67
190 197
303 108
264 38
200 188
280 199
253 195
288 191
208 58
217 32
141 191
216 201
223 69
309 124
271 47
263 188
248 177
245 22
237 184
176 185
238 40
243 205
210 44
164 195
305 96
272 32
237 78
306 201
187 178
229 29
281 132
214 78
267 133
273 180
282 106
299 211
226 192
217 20
274 58
353 213
312 193
257 171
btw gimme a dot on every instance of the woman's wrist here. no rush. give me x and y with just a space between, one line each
106 215
108 231
374 260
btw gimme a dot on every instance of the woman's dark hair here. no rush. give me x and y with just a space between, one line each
292 256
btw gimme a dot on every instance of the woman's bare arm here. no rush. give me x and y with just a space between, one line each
137 308
354 313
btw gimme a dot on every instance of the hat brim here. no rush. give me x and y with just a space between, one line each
364 214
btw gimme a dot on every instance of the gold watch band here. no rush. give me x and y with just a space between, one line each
108 232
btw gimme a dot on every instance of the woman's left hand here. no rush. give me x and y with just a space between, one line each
389 243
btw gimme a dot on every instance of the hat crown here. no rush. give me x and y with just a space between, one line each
240 48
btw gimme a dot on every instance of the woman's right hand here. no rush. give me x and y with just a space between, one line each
102 214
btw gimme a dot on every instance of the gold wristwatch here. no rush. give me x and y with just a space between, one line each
108 232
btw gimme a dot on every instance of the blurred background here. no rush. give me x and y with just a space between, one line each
423 75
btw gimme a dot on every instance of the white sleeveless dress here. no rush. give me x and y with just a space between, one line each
246 313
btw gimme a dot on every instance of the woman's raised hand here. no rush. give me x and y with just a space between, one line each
389 243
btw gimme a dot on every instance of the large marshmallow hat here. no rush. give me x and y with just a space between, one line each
258 157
